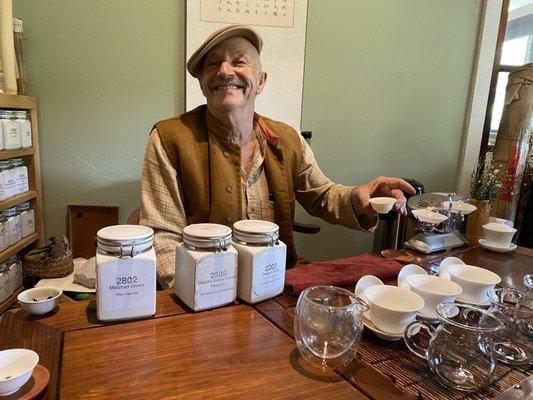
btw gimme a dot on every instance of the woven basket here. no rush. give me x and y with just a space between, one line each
40 263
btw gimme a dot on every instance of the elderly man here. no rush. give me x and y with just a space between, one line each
222 162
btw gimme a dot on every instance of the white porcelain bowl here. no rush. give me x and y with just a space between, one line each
428 216
40 300
460 207
16 367
498 234
474 281
433 290
382 205
392 308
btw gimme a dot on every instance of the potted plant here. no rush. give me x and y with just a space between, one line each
485 185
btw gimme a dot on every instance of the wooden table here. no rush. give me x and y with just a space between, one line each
236 351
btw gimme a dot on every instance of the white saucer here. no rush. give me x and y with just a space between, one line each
473 303
496 248
432 319
391 337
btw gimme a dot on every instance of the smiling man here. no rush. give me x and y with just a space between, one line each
222 162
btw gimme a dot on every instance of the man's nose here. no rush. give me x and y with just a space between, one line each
225 69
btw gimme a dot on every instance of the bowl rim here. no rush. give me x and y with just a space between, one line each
25 292
25 372
407 292
452 284
496 278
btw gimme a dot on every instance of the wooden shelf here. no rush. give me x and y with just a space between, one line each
12 250
10 300
5 154
18 102
32 194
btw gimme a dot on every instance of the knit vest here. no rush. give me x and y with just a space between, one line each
208 165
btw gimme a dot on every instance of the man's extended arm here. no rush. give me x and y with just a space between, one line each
162 207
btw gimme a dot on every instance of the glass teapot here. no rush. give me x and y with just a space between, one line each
328 323
461 350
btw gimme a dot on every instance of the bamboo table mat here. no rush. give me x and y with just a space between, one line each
412 374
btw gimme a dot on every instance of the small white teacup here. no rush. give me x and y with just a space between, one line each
433 290
498 234
392 308
474 281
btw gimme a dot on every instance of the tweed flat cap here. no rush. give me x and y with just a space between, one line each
194 65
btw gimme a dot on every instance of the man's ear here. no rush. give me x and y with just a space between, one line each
262 82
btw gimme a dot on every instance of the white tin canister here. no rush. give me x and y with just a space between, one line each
206 267
261 260
125 273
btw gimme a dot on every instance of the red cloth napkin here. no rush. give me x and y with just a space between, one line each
341 272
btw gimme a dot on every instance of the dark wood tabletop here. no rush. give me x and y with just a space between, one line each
237 351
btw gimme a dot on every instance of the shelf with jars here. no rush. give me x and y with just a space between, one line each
21 223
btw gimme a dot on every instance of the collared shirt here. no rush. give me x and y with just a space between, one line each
163 209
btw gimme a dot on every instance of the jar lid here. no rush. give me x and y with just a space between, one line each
10 212
125 240
207 236
23 206
256 231
17 161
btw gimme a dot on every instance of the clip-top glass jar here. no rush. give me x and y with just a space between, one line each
20 171
14 228
11 130
206 267
27 218
23 119
125 273
262 259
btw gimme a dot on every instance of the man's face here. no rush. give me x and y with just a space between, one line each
231 76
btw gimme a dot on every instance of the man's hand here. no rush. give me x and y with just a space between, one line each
378 187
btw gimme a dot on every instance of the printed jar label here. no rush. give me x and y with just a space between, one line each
268 272
125 287
216 280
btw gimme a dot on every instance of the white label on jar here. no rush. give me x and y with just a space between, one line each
216 280
268 272
4 236
25 127
15 229
3 195
21 179
11 134
27 220
125 287
9 186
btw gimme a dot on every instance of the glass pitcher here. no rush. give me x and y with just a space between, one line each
328 323
461 350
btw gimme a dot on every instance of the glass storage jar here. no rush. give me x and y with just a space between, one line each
23 119
27 218
206 267
14 228
11 131
20 171
261 260
125 273
7 180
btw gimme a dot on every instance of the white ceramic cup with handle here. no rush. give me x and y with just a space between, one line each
434 290
392 308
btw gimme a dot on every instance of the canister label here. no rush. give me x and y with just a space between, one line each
268 272
125 287
216 280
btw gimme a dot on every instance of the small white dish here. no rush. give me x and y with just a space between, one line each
365 282
446 263
16 368
40 300
382 205
428 318
409 269
497 248
391 337
459 207
474 303
428 216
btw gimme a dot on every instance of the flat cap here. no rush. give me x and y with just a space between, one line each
194 65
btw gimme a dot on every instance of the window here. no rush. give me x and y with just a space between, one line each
515 48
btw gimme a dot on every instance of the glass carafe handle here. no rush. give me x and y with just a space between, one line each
411 330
